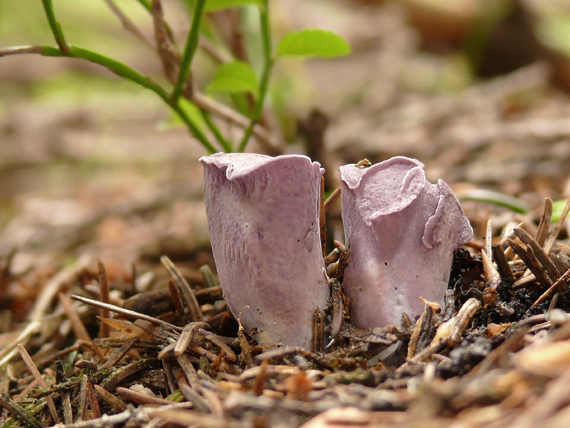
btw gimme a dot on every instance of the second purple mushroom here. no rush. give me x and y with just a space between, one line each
401 232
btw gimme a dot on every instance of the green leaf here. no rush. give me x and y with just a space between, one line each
214 5
234 77
313 43
557 208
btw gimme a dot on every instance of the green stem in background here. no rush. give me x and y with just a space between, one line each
267 67
189 50
55 27
226 145
127 73
492 197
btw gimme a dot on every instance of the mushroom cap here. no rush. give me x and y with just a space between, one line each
263 218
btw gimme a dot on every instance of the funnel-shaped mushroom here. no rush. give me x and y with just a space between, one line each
401 232
263 217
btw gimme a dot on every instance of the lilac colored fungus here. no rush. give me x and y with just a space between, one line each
263 217
401 232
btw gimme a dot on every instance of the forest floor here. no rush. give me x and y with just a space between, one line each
94 169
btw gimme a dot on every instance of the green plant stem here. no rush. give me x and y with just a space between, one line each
219 110
267 68
189 50
227 146
55 26
492 197
129 74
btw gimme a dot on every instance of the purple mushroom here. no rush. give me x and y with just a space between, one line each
263 217
401 232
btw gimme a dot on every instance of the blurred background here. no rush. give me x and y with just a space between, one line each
476 90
